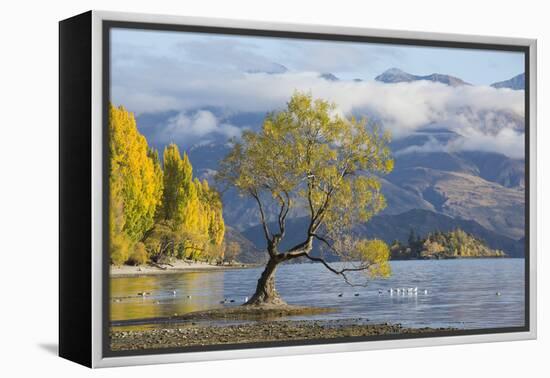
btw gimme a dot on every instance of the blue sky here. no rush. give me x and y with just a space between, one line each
344 59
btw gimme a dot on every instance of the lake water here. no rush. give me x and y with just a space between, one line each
461 293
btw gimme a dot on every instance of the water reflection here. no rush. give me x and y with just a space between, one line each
165 295
461 293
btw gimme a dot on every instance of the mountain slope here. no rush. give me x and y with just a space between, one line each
515 83
467 196
483 186
397 227
249 253
395 75
329 77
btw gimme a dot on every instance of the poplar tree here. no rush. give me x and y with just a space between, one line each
135 183
194 210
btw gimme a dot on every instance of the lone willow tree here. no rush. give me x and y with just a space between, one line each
306 156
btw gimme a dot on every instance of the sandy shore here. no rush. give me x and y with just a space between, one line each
195 334
178 266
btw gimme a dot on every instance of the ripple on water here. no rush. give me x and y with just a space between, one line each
461 293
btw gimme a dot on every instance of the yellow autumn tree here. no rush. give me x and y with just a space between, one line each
192 209
177 181
120 243
135 183
213 207
157 211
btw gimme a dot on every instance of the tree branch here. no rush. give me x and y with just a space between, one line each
262 215
285 206
341 272
320 238
318 219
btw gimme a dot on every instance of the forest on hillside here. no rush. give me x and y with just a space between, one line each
442 245
158 211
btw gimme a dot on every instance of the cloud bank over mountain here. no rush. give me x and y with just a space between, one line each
479 114
199 125
234 75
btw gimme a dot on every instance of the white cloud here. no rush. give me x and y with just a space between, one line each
432 145
506 141
187 128
486 117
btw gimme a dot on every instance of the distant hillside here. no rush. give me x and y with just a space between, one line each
483 186
426 148
249 253
329 77
466 196
397 227
395 75
498 168
443 245
487 187
516 83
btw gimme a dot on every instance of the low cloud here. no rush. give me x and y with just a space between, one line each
188 128
506 141
432 145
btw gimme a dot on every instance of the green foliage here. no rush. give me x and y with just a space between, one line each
134 181
120 243
120 248
232 250
157 213
439 245
162 241
377 253
178 175
307 154
158 177
139 255
192 207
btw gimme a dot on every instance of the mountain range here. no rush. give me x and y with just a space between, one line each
396 227
395 75
516 83
483 186
433 186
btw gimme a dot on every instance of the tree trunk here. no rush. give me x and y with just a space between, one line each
266 294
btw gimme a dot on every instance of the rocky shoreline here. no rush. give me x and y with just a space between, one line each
179 266
200 335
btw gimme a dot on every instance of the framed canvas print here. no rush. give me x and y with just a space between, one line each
235 189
